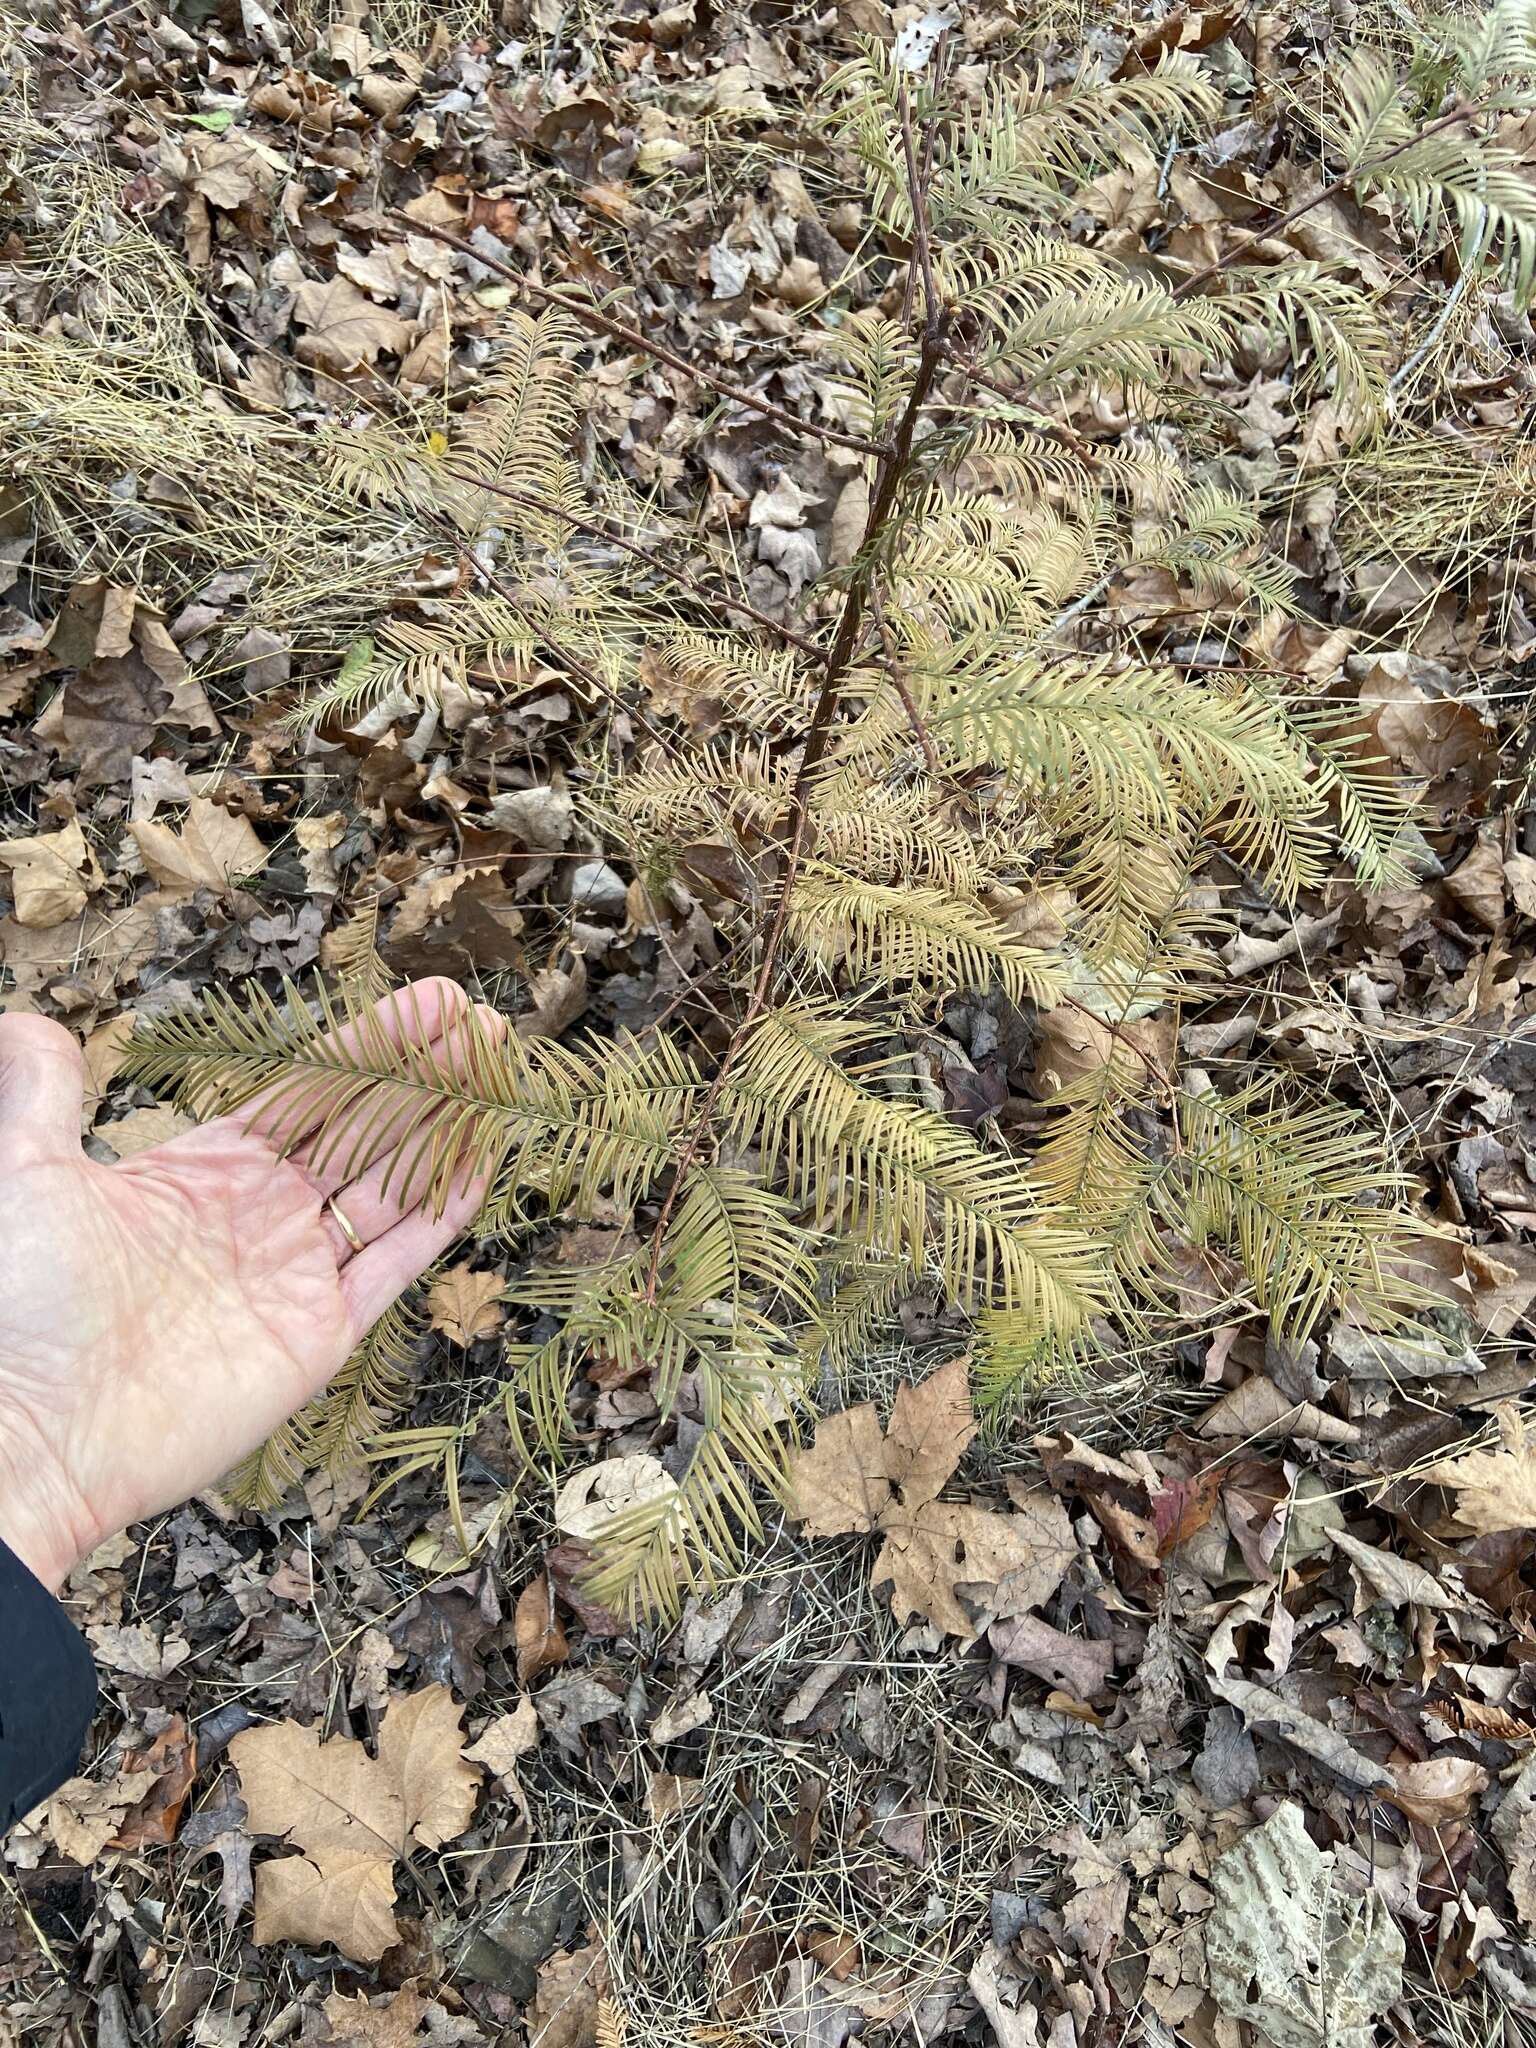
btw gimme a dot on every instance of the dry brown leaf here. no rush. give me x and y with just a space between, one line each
1438 1789
1257 1409
537 1630
352 1815
853 1480
82 1816
1478 884
211 849
464 1304
591 1500
1495 1490
559 997
1514 1829
931 1425
354 2023
345 328
51 875
564 2009
505 1740
840 1483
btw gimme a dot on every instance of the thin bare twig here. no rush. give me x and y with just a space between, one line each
892 471
619 330
922 255
862 595
920 731
1460 112
535 502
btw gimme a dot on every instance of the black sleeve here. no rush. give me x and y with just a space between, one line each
47 1692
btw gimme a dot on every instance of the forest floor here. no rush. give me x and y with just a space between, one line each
787 1818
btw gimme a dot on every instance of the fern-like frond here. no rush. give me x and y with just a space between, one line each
370 1389
526 1115
351 952
1014 1361
1137 743
1336 335
518 435
920 942
262 1479
865 1288
1030 141
901 1178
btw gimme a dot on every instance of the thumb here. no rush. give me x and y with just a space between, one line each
42 1084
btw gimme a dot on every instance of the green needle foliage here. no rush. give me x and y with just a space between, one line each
965 776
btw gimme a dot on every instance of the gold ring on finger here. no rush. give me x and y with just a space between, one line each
344 1225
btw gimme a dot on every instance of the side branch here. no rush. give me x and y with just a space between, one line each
536 503
590 316
1330 191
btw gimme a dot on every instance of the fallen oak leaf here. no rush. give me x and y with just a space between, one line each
211 850
51 875
344 327
464 1304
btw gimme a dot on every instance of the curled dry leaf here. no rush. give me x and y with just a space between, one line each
590 1501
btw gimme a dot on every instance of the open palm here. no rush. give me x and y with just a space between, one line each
160 1317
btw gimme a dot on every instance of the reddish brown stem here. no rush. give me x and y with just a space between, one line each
619 330
920 731
922 255
892 471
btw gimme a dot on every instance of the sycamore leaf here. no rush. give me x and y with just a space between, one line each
345 328
345 1900
50 875
840 1482
352 1815
853 1480
1495 1490
931 1425
355 2023
464 1304
1290 1950
211 850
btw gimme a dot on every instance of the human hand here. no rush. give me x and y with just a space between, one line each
159 1318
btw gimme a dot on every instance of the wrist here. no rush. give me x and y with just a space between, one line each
40 1522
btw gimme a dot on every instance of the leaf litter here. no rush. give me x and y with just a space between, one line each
1201 1705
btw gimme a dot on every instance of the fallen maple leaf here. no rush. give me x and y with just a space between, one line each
464 1304
1495 1490
853 1479
212 850
352 1815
